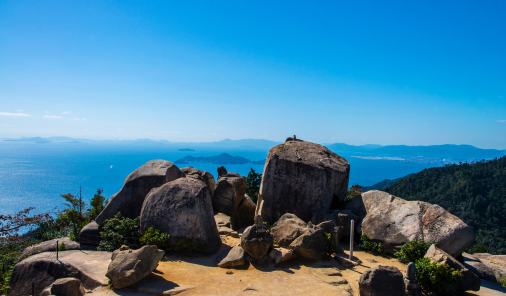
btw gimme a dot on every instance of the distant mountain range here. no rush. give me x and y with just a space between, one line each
434 154
223 158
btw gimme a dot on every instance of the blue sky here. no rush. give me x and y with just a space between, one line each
358 72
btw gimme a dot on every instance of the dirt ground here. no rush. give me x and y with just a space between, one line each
186 275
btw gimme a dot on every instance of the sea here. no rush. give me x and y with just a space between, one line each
34 175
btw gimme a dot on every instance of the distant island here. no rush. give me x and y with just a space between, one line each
185 149
223 158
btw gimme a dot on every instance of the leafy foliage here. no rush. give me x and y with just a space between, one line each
412 251
354 191
62 246
118 231
369 245
156 237
436 278
253 182
502 282
475 192
97 204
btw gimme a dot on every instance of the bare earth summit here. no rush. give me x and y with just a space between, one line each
185 275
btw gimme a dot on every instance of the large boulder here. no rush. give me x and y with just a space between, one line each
182 208
130 266
49 246
65 287
287 229
256 241
230 198
382 280
496 263
43 270
475 265
469 281
300 177
311 244
203 176
394 221
341 218
137 185
90 234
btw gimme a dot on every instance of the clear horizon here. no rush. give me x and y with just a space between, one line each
397 73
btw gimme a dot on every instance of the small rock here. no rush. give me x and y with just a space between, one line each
382 280
280 255
222 230
230 272
65 287
234 234
345 262
371 260
231 258
256 244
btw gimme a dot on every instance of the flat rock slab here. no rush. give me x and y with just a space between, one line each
92 263
282 283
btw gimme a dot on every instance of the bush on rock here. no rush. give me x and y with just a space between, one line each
119 231
436 278
412 251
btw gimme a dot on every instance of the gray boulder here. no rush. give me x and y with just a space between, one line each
231 258
130 266
137 185
300 177
339 217
394 221
475 265
381 281
182 208
230 198
470 281
496 263
65 287
203 176
90 234
287 229
48 246
43 269
311 244
256 242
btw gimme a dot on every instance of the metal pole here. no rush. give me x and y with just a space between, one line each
352 237
56 250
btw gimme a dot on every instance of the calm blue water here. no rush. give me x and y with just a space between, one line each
34 175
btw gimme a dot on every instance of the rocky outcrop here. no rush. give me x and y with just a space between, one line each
382 280
90 234
475 265
256 241
469 281
230 198
203 176
394 221
65 287
311 244
43 269
232 258
137 185
182 208
130 266
496 263
48 246
339 217
300 177
222 220
287 229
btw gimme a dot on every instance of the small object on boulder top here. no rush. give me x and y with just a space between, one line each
222 171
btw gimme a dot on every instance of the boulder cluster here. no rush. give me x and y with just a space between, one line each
302 203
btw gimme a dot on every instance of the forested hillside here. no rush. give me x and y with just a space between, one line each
475 192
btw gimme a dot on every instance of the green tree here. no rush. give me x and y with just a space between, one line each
73 202
97 204
253 182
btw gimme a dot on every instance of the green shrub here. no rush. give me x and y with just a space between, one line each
436 278
62 247
185 246
412 251
369 245
502 282
155 237
120 231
